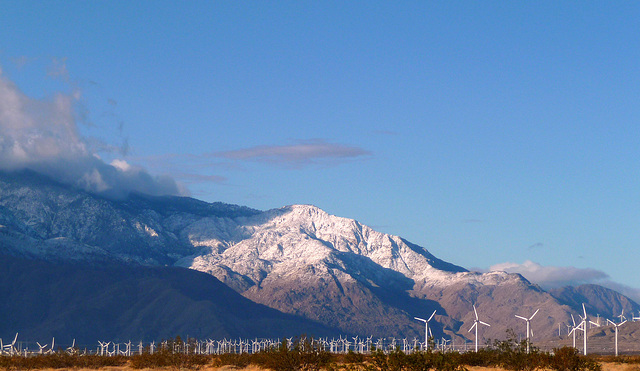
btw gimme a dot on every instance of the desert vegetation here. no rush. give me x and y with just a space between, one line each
305 355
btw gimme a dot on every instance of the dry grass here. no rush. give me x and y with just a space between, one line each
611 366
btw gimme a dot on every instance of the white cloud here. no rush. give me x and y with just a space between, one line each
302 153
42 135
550 276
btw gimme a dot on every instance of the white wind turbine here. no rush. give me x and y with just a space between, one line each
41 347
528 330
475 324
426 329
616 326
53 346
621 316
583 327
633 318
11 348
573 330
72 348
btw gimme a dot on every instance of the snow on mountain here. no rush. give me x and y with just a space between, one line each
302 260
297 259
298 235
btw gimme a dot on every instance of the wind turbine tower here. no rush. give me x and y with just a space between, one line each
426 329
616 326
528 330
475 324
583 327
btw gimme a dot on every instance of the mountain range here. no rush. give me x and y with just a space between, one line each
213 270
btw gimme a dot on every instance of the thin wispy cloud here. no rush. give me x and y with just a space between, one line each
21 61
58 69
198 178
298 154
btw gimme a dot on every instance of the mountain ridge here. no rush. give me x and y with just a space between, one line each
298 259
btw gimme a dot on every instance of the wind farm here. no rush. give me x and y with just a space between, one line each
319 186
18 347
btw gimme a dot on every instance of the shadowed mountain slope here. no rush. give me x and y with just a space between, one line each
41 300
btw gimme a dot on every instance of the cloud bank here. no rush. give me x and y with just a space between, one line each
43 136
302 153
550 276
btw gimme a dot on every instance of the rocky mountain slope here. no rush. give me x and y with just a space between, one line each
87 302
296 259
604 302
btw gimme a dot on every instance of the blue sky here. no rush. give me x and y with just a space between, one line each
487 132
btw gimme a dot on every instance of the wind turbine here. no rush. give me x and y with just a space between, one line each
72 348
475 324
426 329
41 347
583 326
529 331
635 318
616 326
621 316
53 346
11 348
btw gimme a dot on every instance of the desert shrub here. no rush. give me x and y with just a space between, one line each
416 361
59 360
512 355
448 362
396 360
173 354
420 361
379 360
305 355
353 357
483 358
568 359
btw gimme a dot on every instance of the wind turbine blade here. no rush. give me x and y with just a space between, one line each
474 325
584 310
622 322
573 319
521 317
430 334
534 314
420 319
610 321
475 311
15 339
484 323
433 314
